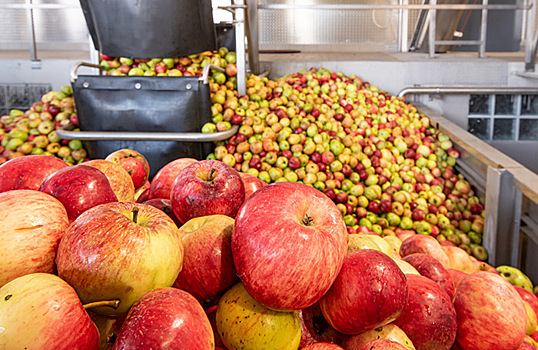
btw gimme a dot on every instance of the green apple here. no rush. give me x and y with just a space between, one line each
515 277
243 323
358 241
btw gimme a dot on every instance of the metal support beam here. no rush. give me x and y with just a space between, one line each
31 29
253 36
239 20
432 29
483 30
531 38
502 218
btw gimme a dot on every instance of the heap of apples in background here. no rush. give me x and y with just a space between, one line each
205 257
374 155
34 131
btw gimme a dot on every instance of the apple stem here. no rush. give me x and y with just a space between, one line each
110 303
135 214
307 220
211 173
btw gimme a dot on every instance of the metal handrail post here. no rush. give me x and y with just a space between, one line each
432 29
531 40
31 29
239 19
403 21
252 32
483 31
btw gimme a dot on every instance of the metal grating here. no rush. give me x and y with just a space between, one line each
314 29
55 29
21 96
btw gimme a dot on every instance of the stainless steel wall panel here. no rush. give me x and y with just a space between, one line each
58 27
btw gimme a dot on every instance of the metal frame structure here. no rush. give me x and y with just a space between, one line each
245 14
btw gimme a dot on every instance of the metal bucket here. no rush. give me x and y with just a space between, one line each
150 28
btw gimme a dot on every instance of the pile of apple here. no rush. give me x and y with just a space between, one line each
95 256
187 66
34 131
374 155
223 85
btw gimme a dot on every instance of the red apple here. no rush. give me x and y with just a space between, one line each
323 346
526 346
134 163
459 259
163 180
28 172
389 332
166 206
426 245
120 251
429 267
79 188
404 234
529 297
429 319
251 183
315 328
41 311
207 187
382 344
142 193
166 318
486 305
211 313
456 276
119 179
288 245
208 268
370 292
33 223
